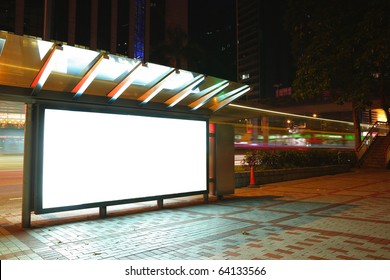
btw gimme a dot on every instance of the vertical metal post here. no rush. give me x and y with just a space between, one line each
211 159
160 203
265 129
103 211
27 168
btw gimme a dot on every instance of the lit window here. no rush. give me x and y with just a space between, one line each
245 76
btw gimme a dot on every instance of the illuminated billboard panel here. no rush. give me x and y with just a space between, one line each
91 157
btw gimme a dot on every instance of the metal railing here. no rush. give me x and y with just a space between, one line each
378 129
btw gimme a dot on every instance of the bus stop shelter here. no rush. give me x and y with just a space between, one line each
96 121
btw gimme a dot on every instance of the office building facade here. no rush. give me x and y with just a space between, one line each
116 26
263 51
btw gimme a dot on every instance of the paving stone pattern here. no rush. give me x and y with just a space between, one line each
345 216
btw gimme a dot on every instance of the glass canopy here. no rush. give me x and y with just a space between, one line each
44 67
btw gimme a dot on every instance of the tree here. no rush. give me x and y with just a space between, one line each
342 46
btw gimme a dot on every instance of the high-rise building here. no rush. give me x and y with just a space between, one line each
117 26
249 46
263 49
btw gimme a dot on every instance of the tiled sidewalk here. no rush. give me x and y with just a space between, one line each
345 216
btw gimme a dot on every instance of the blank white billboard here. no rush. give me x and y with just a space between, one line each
93 157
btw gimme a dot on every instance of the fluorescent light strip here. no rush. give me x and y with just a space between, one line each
214 90
152 92
124 84
46 69
226 101
185 92
233 92
88 77
2 43
285 114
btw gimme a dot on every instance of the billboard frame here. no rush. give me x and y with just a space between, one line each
37 157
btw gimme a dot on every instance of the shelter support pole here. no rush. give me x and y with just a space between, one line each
27 168
103 211
223 162
160 203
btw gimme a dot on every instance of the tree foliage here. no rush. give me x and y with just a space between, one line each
277 159
342 46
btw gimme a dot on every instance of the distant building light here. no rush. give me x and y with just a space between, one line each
245 76
286 91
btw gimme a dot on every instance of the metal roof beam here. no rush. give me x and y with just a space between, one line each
229 97
46 69
185 92
210 92
2 44
124 84
88 78
153 91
